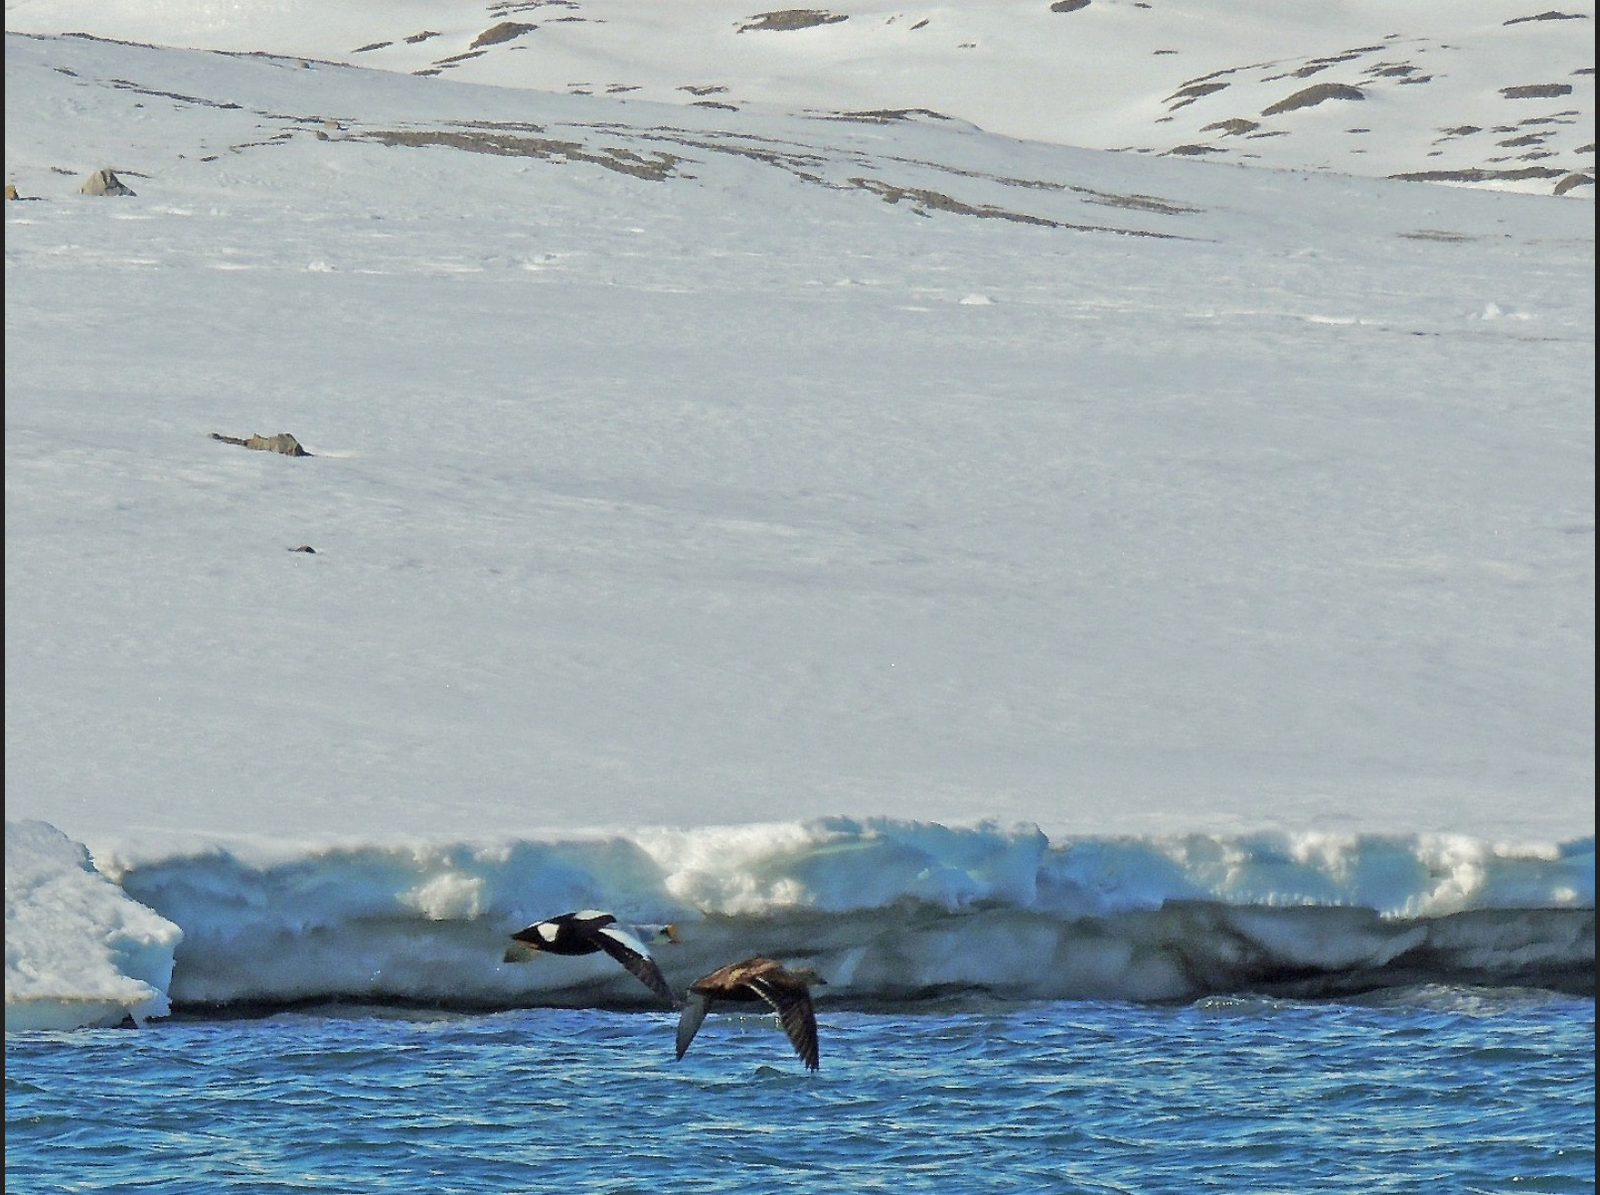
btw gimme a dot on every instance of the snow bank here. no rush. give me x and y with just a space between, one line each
886 910
78 951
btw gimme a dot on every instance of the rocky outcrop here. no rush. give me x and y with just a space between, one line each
504 31
791 18
1315 94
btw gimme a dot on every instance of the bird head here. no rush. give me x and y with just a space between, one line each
518 952
529 941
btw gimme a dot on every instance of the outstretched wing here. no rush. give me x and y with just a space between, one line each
634 955
695 1007
793 1005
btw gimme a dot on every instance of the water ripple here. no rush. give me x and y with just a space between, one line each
1230 1095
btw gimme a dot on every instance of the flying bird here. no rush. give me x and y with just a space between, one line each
589 931
788 992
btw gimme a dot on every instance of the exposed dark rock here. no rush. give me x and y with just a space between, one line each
1230 128
504 31
282 442
792 18
1315 94
1475 175
885 115
1188 95
623 161
1551 15
1537 91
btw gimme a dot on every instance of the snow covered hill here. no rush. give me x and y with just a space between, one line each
1497 94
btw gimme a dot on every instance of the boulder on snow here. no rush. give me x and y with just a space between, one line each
104 182
282 442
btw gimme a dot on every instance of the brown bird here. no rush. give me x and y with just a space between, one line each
590 931
788 992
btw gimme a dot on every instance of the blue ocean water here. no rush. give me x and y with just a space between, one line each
1428 1090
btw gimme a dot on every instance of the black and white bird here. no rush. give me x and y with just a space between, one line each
788 992
589 931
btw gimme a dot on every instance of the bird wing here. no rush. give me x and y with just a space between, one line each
793 1005
634 955
695 1007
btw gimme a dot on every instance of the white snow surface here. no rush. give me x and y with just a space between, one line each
78 950
854 486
